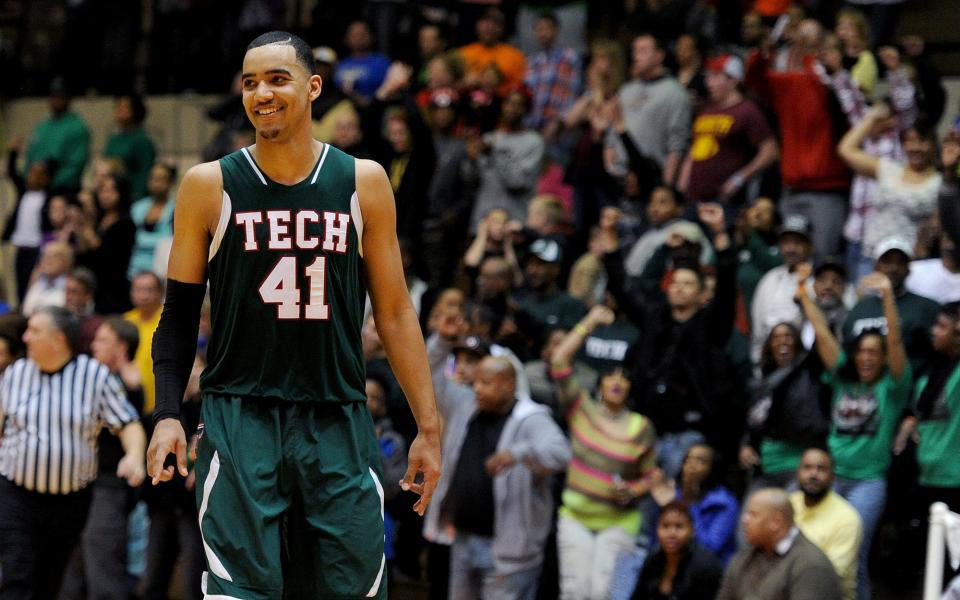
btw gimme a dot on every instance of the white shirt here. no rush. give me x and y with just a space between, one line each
773 304
28 233
930 279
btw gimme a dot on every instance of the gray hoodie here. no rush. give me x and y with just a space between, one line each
523 502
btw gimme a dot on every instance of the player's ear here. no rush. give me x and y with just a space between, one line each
316 84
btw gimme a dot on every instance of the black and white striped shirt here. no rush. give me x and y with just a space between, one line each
51 420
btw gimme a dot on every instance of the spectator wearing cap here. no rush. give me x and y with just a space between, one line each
732 141
62 138
937 278
451 193
543 305
906 193
815 178
614 457
830 294
553 77
361 72
495 506
490 50
656 110
773 299
917 314
509 161
332 102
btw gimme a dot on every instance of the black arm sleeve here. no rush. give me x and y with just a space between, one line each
175 345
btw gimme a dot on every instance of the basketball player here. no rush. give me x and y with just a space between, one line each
290 233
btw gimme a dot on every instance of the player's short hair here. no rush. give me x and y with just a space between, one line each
302 49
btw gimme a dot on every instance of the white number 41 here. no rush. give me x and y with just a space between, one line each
280 288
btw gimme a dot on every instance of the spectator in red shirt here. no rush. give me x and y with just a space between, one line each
814 177
732 141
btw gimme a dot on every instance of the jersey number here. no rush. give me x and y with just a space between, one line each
280 288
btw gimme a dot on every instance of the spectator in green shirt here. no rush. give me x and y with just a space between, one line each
935 423
869 395
131 144
62 139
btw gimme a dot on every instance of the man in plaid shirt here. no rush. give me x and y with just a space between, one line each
553 76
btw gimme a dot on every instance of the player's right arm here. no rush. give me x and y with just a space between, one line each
175 341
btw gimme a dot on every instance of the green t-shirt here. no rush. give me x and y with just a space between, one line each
137 152
864 421
778 456
940 436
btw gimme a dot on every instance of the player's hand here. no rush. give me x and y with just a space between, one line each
423 469
131 468
499 462
168 438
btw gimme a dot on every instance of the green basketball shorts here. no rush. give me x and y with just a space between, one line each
291 504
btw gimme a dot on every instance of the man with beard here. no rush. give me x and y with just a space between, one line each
917 314
773 300
829 521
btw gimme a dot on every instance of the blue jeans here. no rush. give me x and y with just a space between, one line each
672 448
473 575
868 498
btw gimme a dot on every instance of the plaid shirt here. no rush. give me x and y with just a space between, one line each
886 145
554 79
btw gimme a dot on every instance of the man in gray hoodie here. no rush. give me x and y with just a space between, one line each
495 504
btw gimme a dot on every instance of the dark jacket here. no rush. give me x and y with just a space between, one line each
681 377
791 404
698 576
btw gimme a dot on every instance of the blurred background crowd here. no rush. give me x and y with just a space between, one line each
688 272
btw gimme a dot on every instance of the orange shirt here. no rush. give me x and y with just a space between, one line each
509 60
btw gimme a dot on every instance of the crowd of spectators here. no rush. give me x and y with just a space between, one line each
688 276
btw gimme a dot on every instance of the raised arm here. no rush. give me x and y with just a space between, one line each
879 283
398 325
849 148
561 362
827 345
175 341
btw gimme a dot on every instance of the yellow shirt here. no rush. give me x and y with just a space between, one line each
143 360
834 526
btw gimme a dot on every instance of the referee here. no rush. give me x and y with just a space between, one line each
52 406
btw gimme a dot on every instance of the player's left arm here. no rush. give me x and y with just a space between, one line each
398 325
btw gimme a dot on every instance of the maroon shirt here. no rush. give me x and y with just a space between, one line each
724 140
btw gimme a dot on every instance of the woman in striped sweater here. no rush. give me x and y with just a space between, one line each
613 460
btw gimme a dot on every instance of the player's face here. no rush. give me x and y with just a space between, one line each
277 90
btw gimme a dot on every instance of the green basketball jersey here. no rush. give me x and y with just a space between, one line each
286 288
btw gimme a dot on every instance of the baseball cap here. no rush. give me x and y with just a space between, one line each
830 263
444 97
473 345
727 64
546 250
798 224
893 243
325 54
